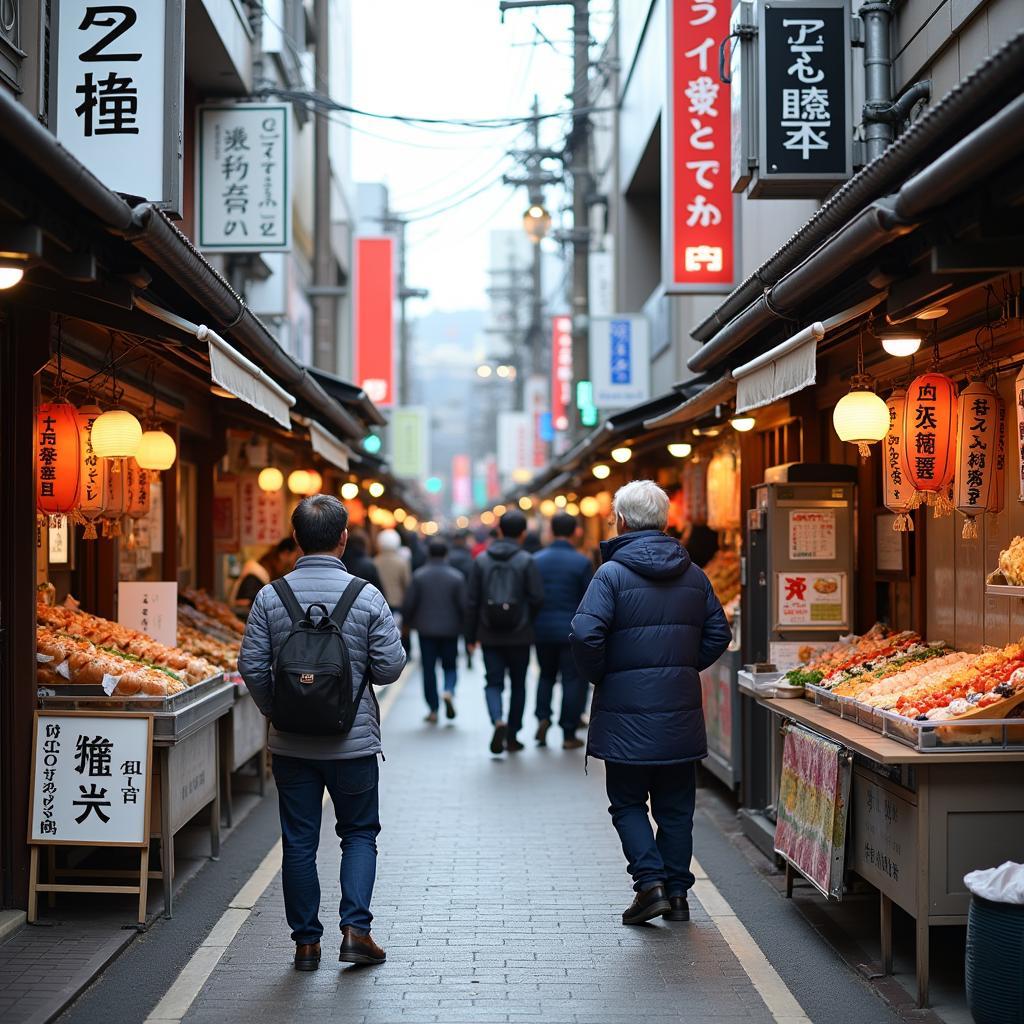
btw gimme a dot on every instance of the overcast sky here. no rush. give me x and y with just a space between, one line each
454 59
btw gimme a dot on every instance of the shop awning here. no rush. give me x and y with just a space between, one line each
694 407
245 380
791 366
353 398
328 447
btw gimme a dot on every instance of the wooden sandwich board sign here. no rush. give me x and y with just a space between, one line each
91 782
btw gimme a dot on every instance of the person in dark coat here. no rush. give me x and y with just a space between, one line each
648 625
461 558
505 594
435 606
566 574
358 560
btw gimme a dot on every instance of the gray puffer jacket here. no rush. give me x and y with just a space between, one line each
370 634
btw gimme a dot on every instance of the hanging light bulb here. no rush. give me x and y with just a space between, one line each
601 471
743 423
350 491
622 454
900 343
679 449
376 489
10 276
861 417
270 480
116 434
526 503
157 450
590 506
305 482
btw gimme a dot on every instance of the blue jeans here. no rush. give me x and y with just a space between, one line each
432 650
556 660
672 788
352 785
514 659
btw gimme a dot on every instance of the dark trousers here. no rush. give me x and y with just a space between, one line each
672 788
556 661
434 649
352 785
515 660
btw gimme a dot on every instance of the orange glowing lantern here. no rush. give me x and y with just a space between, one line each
929 429
58 460
117 499
92 494
980 420
138 490
898 491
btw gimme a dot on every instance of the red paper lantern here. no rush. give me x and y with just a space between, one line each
929 429
117 498
58 460
899 495
92 495
138 489
980 420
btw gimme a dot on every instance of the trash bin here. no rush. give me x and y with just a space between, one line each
994 966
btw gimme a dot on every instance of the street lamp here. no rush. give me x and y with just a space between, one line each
483 371
536 222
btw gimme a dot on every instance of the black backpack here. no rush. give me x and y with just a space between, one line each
504 593
313 671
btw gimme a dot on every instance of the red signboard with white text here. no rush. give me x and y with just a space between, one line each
375 318
561 371
699 249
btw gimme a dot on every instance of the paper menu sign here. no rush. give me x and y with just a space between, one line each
812 535
151 608
814 599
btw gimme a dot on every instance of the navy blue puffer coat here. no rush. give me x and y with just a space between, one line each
649 623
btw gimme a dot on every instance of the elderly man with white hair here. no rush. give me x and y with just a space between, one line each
648 624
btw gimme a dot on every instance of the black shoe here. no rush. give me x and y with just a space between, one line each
498 739
649 904
449 705
513 746
307 956
542 732
680 909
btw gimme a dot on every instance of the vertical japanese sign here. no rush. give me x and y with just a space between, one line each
375 318
561 371
538 406
261 513
515 446
151 608
699 223
90 779
462 483
410 441
243 177
805 122
118 93
619 361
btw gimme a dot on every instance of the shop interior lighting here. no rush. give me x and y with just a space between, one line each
270 480
548 508
501 371
525 503
622 454
400 515
572 508
500 510
483 371
305 482
462 522
116 434
216 389
561 501
430 528
743 423
411 522
934 313
10 276
157 450
900 343
376 489
590 506
486 517
679 449
350 491
706 431
861 417
601 471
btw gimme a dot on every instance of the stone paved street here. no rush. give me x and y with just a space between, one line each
498 899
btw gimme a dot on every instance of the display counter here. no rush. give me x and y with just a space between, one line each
722 718
919 820
243 740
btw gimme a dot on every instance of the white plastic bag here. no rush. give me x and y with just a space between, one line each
1004 884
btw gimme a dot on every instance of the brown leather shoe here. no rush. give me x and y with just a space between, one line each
359 948
307 956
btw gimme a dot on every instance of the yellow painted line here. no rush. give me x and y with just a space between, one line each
781 1003
185 989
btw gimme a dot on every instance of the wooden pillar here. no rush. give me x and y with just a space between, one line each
169 481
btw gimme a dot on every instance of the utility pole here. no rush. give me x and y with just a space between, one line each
324 290
578 147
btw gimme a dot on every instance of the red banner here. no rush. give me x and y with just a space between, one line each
375 317
701 202
462 482
561 371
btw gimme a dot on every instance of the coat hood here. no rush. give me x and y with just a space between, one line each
503 549
650 553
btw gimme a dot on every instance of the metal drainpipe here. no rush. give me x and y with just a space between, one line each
878 134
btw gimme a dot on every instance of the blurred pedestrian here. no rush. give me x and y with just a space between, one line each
257 573
358 560
393 569
484 541
532 542
648 625
505 592
435 606
461 558
566 574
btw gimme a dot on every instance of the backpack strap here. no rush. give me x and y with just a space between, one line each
289 600
347 599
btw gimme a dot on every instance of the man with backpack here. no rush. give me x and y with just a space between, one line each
505 593
315 643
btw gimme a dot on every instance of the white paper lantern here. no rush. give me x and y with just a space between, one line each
116 434
156 451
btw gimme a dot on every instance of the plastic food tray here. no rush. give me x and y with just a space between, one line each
966 734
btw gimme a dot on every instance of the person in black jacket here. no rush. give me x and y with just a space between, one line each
358 560
461 558
505 594
649 623
435 606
